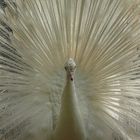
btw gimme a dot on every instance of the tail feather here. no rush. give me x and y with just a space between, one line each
103 38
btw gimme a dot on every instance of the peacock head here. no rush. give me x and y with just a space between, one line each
70 67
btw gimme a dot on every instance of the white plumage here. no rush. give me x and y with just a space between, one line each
40 100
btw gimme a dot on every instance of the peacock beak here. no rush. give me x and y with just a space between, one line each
71 76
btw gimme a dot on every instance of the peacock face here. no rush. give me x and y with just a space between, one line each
70 67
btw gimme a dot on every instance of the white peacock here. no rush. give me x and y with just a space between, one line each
69 70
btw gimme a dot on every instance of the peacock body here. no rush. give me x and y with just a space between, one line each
69 70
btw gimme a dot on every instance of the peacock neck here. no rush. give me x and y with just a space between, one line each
70 124
69 96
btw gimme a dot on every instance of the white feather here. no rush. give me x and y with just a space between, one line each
102 36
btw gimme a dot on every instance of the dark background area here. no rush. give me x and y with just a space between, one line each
2 4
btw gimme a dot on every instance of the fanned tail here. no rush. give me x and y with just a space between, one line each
102 36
